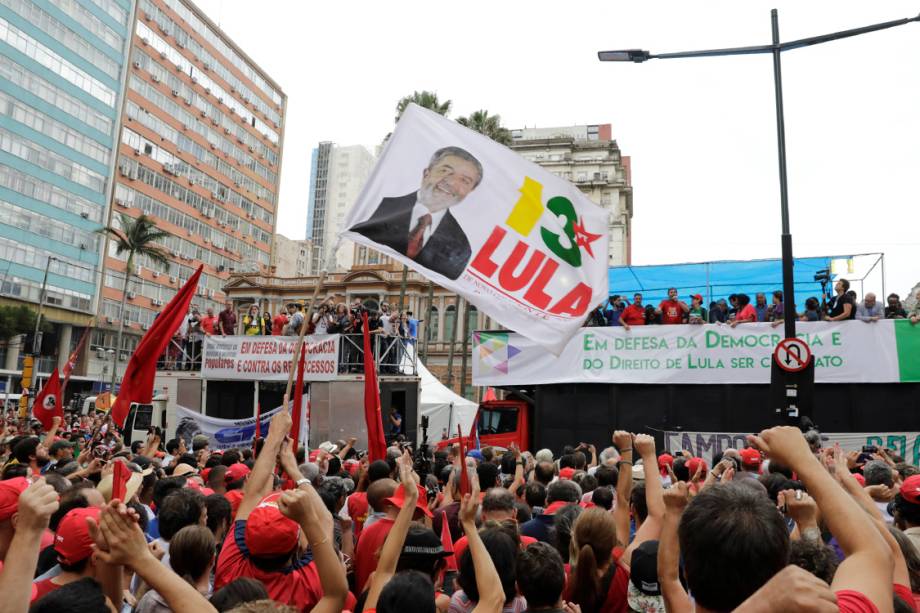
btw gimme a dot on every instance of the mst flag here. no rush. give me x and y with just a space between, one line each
48 403
137 384
523 245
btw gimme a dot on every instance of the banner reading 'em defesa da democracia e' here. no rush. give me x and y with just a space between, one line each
845 352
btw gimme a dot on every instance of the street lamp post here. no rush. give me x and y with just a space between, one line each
775 49
36 341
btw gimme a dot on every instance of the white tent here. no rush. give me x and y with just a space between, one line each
443 407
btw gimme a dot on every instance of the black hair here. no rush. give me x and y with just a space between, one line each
77 567
136 447
25 448
535 494
172 445
815 557
237 592
638 502
602 497
588 483
906 512
544 472
607 476
180 508
503 552
680 469
142 518
563 526
187 458
335 466
523 512
498 499
213 460
81 596
164 487
408 590
776 483
70 500
488 475
844 283
911 557
219 510
743 300
508 464
732 541
378 469
580 460
540 575
566 491
230 457
567 461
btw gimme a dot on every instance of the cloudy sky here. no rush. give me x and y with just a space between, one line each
701 133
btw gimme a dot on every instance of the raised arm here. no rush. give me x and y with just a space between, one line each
623 442
488 583
651 527
49 436
260 479
392 547
868 565
675 596
36 505
518 469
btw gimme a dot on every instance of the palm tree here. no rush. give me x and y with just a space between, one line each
426 100
488 125
135 237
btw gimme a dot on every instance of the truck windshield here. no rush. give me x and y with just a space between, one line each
497 421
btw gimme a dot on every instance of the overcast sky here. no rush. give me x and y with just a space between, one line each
701 133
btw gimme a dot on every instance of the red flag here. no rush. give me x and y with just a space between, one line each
120 476
490 395
298 399
137 384
72 360
376 442
448 545
48 401
465 486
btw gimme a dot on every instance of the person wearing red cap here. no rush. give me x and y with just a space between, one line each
9 504
235 479
34 506
672 311
907 509
270 535
750 463
697 313
74 547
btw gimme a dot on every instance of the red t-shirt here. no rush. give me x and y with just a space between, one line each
633 315
461 545
748 313
208 323
40 588
671 313
367 552
850 601
906 595
616 599
278 322
357 511
298 585
234 497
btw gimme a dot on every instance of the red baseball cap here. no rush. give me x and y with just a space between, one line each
665 460
399 497
72 541
750 457
268 532
693 463
205 474
235 472
910 489
9 496
698 297
567 473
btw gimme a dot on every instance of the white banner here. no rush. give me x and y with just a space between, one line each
268 358
232 433
844 352
707 444
523 245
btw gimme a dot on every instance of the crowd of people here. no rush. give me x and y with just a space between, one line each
781 525
739 309
388 324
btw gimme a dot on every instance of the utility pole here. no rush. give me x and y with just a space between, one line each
36 341
466 348
453 342
428 319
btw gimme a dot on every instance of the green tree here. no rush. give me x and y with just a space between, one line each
489 125
136 237
16 320
426 100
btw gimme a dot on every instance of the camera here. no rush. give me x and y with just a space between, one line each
823 276
870 449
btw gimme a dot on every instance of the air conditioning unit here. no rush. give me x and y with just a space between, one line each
119 201
123 356
156 273
137 64
178 67
203 113
251 149
214 121
156 302
145 327
155 78
184 128
194 80
226 130
84 246
145 41
173 279
206 240
175 93
206 66
188 102
210 293
131 295
180 44
207 90
84 215
220 99
108 320
147 17
138 270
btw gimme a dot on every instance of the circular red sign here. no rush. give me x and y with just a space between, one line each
792 354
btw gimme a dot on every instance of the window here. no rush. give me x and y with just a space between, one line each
472 319
431 323
450 319
497 421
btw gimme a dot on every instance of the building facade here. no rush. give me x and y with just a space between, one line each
291 258
200 152
337 176
589 157
62 71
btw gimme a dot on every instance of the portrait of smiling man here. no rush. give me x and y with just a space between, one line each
419 225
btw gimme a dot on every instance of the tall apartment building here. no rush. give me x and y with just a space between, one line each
62 73
589 157
291 258
337 176
200 152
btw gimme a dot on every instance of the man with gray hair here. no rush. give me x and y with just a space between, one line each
870 310
879 484
560 493
419 225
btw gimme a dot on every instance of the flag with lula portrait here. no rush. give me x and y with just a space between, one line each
522 244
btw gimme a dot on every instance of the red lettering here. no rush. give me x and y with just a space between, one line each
575 303
483 261
511 282
535 294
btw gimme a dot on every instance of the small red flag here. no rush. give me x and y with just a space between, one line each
120 476
490 395
47 403
298 400
465 486
376 442
137 384
448 545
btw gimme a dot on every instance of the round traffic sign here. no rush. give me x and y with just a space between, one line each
792 354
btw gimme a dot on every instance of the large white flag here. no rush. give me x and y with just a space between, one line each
523 245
